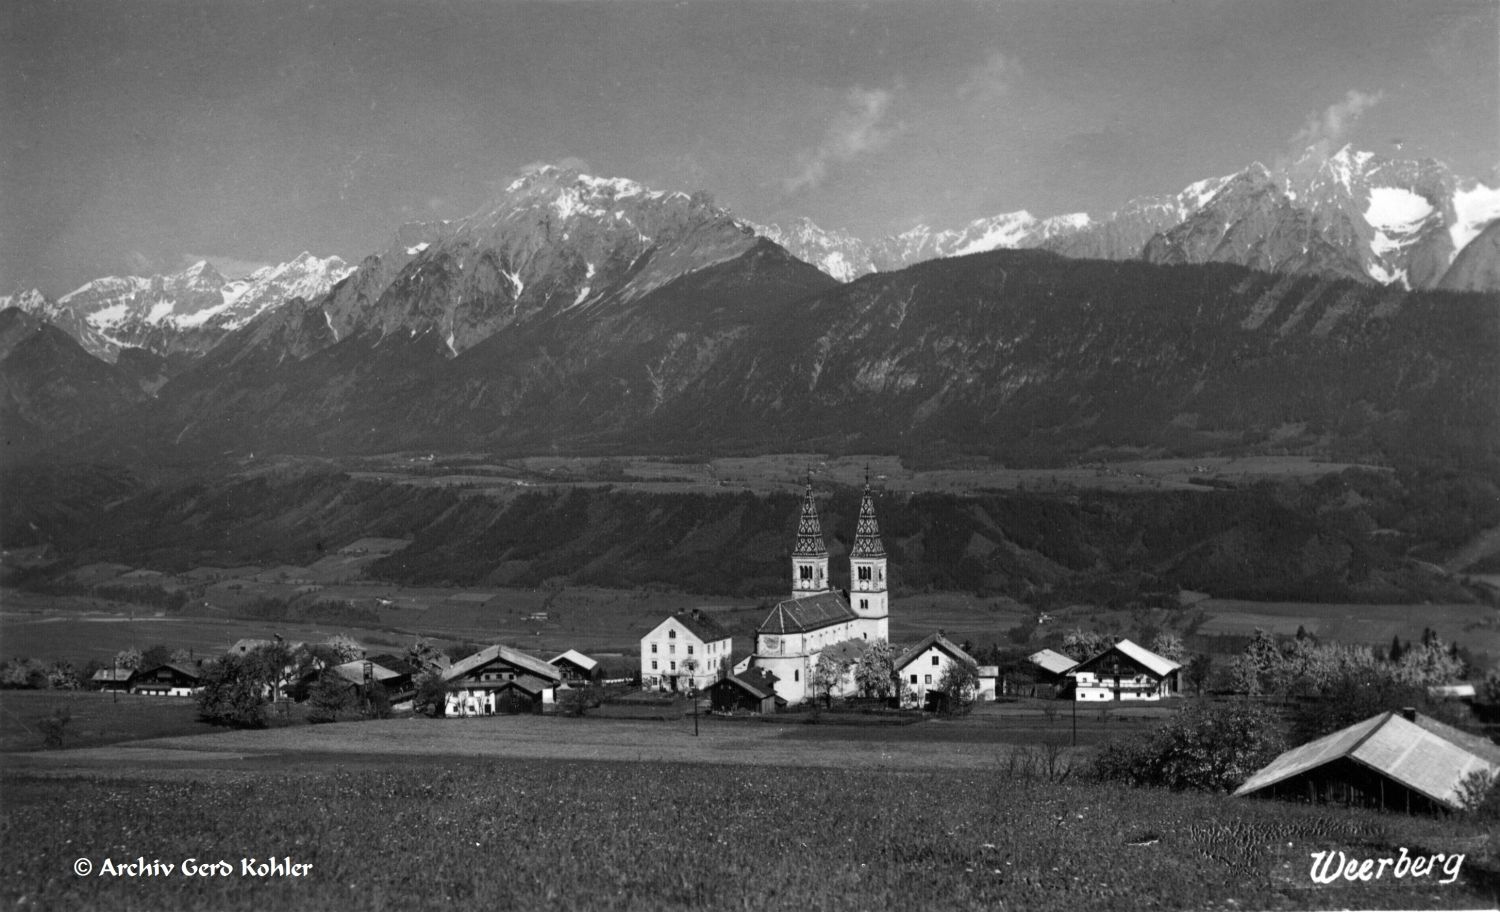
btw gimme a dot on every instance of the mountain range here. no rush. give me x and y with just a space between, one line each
588 314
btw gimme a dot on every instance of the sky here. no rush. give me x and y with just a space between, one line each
137 136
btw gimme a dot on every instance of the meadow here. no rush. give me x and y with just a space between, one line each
392 831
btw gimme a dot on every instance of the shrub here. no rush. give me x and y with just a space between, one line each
1212 747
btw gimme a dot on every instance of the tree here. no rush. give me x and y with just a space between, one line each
426 656
233 693
1214 748
160 654
431 696
128 659
875 672
330 696
1199 667
1168 645
827 673
958 684
344 648
1081 645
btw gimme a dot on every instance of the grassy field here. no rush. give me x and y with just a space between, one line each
1477 627
580 814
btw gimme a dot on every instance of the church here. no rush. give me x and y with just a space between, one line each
790 639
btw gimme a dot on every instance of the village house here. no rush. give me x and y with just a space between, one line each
171 679
687 651
1124 672
576 667
921 669
393 673
1051 668
500 679
1400 760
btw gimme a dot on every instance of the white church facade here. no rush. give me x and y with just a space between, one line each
792 637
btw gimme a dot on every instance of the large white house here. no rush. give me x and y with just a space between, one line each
689 650
795 633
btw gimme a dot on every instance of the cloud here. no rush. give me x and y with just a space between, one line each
991 80
858 129
566 163
1326 132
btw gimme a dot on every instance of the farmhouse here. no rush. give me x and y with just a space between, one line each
1395 760
921 668
749 691
576 667
500 679
687 651
391 672
1124 671
790 640
171 679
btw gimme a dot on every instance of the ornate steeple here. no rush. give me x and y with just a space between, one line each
867 534
810 554
809 530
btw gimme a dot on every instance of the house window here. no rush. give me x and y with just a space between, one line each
674 666
926 679
653 649
914 679
672 648
653 664
690 649
671 634
934 660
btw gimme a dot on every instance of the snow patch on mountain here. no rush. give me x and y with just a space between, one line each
1473 208
1396 207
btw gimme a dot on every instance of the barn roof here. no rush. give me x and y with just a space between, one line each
933 639
186 671
1053 661
810 612
1419 752
1157 665
505 654
577 658
112 674
354 672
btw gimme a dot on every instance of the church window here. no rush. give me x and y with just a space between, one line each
805 572
864 573
796 675
864 604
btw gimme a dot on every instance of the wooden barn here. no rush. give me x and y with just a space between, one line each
112 679
752 690
1401 761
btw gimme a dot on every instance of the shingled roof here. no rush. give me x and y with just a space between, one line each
502 653
1051 660
1419 752
811 612
809 531
934 639
1157 665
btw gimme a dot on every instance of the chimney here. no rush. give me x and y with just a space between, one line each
1409 713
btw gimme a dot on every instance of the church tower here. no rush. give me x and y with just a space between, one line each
868 592
810 556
